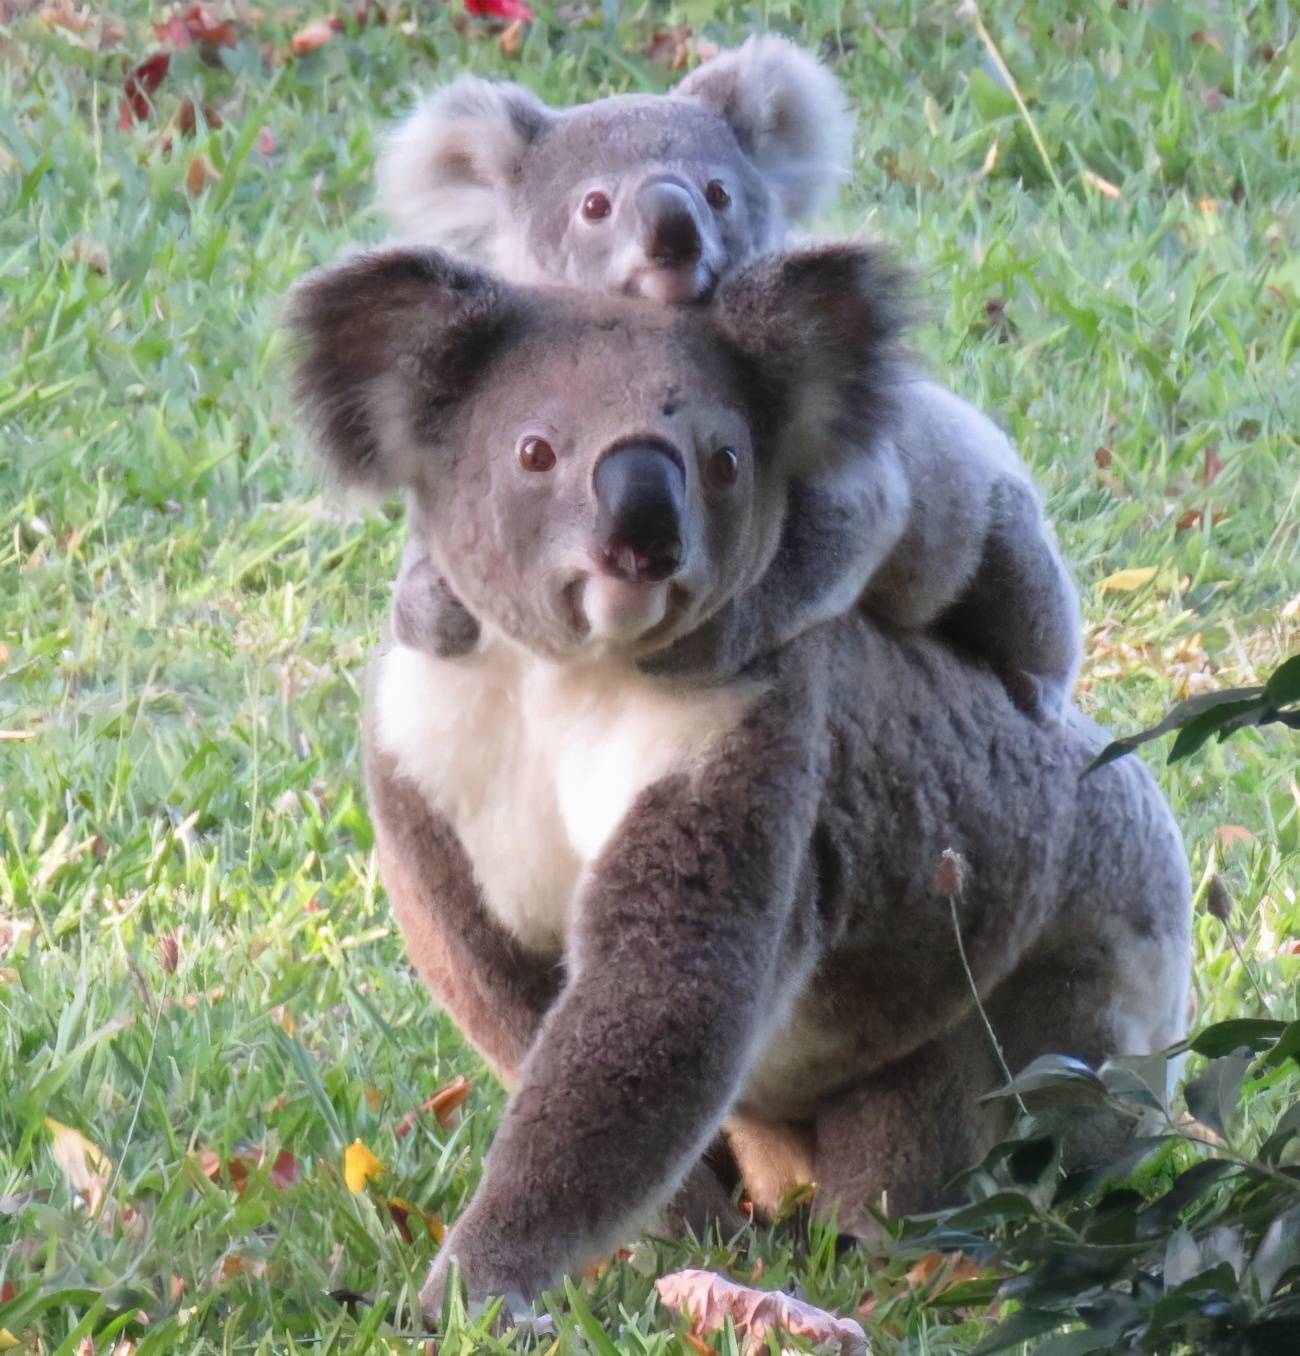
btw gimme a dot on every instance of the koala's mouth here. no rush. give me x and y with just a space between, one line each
673 286
623 615
571 598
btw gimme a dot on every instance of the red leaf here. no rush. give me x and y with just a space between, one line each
174 32
196 23
266 144
140 84
499 9
1212 466
284 1171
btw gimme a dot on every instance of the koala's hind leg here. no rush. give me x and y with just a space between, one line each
1020 610
772 1157
894 1140
427 615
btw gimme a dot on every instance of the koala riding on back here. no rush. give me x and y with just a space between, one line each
663 197
691 920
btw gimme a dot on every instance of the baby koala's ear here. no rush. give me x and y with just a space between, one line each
389 347
822 329
788 113
442 168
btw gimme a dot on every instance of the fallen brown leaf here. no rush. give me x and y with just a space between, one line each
187 117
83 248
235 1265
199 173
314 35
443 1104
1228 834
83 1164
403 1212
511 37
195 24
1126 581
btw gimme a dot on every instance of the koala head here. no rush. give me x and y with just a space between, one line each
659 196
595 475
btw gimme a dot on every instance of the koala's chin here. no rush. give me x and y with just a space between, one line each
621 614
672 285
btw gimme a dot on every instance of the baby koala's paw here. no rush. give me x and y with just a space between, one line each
427 615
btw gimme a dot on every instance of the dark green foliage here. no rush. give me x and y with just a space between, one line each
1220 713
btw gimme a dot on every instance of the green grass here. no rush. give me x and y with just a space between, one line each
183 617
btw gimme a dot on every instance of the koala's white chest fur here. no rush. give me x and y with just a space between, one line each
536 764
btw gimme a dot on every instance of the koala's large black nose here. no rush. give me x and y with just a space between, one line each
669 221
640 496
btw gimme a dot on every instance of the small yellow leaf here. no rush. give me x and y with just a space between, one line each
359 1166
8 1342
84 1164
1125 581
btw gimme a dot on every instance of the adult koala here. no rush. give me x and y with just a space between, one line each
658 904
664 196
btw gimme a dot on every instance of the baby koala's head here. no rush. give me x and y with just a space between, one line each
596 476
659 196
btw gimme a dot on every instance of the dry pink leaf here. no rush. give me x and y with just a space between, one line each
83 1164
315 34
707 1300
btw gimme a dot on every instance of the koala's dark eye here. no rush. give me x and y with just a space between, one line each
722 469
716 195
596 206
536 454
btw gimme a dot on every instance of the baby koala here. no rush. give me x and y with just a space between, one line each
664 196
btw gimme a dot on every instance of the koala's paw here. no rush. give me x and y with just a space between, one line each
1039 698
485 1272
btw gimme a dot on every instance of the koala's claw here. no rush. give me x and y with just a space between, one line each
1037 697
515 1312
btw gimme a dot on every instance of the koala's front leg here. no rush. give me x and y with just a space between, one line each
427 615
686 943
495 989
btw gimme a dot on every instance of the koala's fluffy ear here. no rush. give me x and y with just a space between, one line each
389 344
822 329
788 113
442 169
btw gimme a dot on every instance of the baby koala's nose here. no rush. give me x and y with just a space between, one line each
670 227
640 496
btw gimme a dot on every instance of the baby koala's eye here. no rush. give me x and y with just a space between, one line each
596 206
716 195
722 468
536 454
